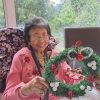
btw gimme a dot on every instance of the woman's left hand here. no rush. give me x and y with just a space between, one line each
97 83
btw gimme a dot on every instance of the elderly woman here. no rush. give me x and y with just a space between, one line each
24 81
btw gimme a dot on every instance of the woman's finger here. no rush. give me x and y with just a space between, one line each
38 91
42 81
41 86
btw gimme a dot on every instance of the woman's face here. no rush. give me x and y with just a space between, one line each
38 38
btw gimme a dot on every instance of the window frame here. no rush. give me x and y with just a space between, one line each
10 19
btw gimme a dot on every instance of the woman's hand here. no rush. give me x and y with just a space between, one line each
37 85
97 83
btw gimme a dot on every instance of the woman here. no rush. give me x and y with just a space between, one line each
24 81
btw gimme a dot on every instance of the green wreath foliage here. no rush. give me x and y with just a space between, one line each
92 65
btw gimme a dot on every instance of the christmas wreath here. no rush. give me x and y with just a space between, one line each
82 54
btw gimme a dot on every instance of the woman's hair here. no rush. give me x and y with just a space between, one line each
35 22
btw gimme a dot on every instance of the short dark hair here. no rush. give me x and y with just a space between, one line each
34 23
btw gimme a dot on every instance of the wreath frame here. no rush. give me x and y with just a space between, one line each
76 90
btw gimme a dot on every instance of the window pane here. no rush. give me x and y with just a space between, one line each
2 19
60 13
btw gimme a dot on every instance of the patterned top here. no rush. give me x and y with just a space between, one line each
23 69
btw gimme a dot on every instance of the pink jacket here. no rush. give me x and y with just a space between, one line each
23 69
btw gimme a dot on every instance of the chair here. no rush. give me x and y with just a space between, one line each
89 36
11 40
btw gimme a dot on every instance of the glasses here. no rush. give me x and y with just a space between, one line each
40 37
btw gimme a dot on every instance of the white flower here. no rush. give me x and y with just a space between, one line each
94 67
54 88
89 88
82 87
54 85
92 64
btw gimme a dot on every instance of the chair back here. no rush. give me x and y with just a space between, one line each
11 40
89 36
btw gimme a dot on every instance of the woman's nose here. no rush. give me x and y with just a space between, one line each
41 39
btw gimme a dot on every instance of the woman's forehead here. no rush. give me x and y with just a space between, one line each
38 30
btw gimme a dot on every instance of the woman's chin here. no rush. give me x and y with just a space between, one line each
40 49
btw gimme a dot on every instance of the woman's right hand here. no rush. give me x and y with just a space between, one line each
37 85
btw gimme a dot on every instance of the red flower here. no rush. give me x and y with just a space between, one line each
36 72
81 78
91 79
79 57
78 43
27 59
70 94
54 69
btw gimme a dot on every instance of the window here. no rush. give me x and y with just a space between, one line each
2 19
60 13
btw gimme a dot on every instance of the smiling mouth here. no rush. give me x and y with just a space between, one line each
41 46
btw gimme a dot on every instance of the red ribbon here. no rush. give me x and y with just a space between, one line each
78 43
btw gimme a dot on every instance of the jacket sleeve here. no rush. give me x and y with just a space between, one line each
62 75
73 79
13 82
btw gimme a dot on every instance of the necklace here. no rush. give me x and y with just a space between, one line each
41 58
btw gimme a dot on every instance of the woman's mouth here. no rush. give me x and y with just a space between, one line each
41 46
